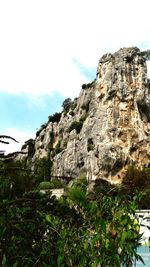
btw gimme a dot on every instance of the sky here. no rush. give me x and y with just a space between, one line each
49 48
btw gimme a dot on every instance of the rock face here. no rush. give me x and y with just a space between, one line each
107 127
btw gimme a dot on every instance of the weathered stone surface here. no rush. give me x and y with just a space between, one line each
114 113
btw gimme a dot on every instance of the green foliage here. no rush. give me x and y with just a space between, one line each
53 184
45 185
14 180
87 85
38 230
55 117
43 126
67 105
80 229
77 125
42 169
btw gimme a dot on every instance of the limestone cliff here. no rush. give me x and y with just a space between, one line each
107 127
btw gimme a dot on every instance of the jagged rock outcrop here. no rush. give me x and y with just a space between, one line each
108 126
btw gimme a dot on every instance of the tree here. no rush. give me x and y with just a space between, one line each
67 104
14 179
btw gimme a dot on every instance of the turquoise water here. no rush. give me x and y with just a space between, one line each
144 251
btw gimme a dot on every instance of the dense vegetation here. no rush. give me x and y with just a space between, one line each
97 228
76 230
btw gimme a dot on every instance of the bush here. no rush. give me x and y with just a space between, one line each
55 117
76 125
67 105
43 126
45 185
87 85
42 169
53 184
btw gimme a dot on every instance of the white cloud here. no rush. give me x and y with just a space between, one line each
20 136
39 38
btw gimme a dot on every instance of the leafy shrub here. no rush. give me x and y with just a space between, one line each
55 117
14 179
45 185
42 169
76 125
87 85
43 126
53 184
67 105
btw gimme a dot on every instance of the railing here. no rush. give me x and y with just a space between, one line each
144 221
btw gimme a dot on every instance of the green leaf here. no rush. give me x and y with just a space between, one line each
48 218
60 260
4 260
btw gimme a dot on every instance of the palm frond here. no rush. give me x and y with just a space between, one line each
7 137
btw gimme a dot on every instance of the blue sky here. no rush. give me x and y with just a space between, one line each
22 113
48 49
